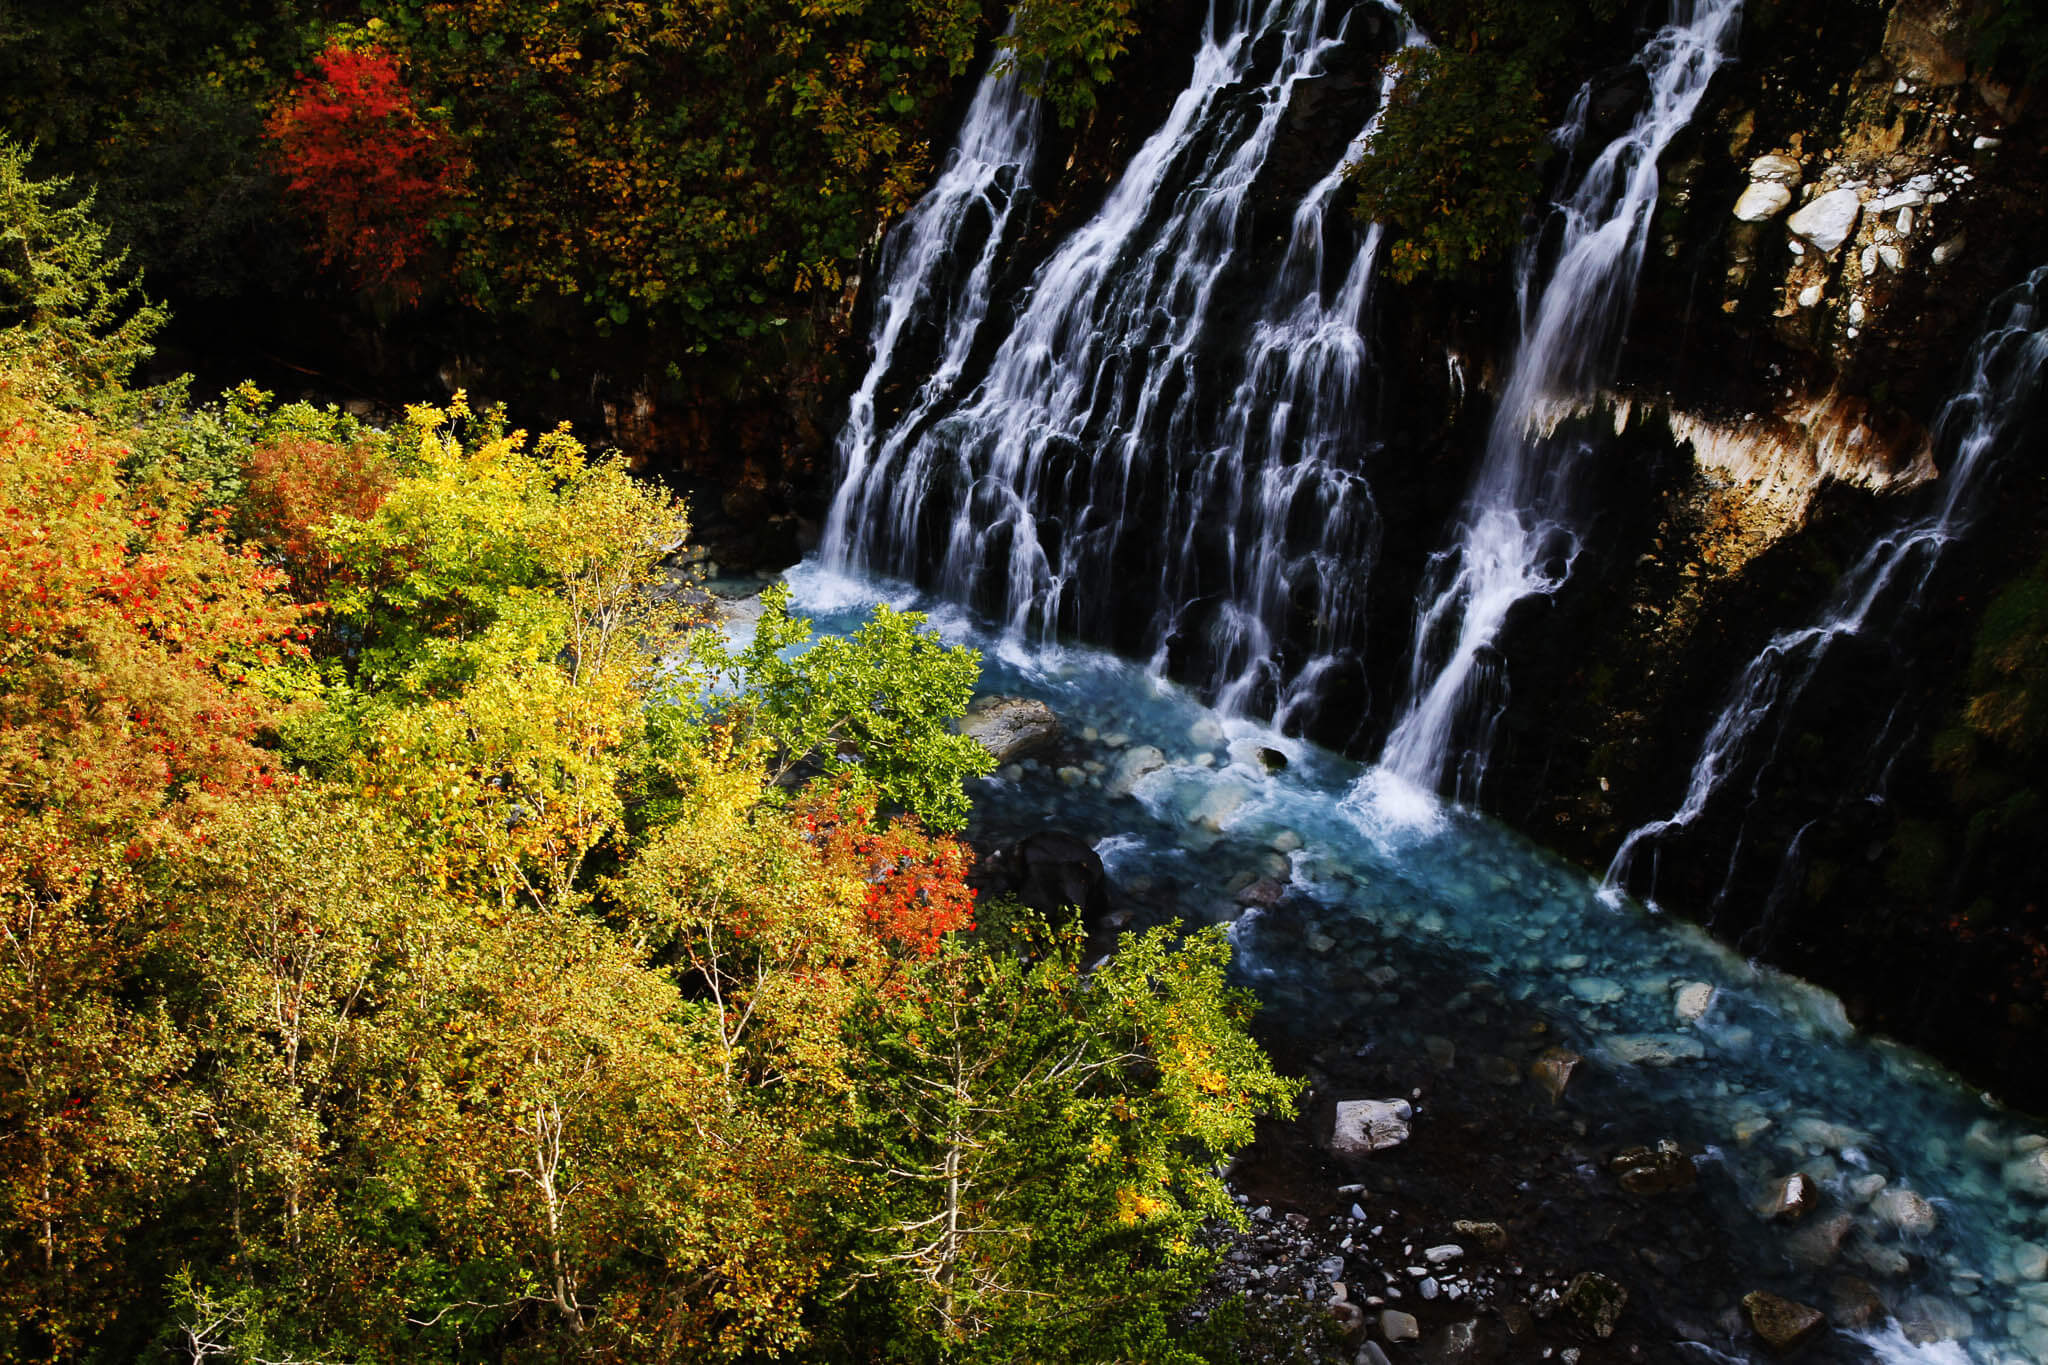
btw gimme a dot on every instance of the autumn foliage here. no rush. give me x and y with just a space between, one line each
366 165
916 882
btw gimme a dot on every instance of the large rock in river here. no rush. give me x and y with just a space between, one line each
1362 1127
1011 728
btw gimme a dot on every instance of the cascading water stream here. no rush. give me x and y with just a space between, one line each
1284 474
1085 462
1519 532
1885 589
988 168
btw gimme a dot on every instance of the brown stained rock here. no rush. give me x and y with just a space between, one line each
1658 1170
1596 1302
1485 1236
1553 1070
1794 1198
1781 1323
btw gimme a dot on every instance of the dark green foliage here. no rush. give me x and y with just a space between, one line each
2011 39
71 312
159 107
1459 157
1456 162
1064 49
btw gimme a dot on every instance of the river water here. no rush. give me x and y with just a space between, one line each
1932 1192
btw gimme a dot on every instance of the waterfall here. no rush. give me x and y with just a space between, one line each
1885 589
1284 476
1519 531
1129 468
974 194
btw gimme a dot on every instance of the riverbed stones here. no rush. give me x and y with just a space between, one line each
1398 1326
1218 804
1596 1302
1906 1211
1828 220
1650 1049
1853 1304
1926 1319
1595 990
1011 728
2030 1261
1692 1002
1819 1242
1131 765
1362 1127
2029 1174
1781 1323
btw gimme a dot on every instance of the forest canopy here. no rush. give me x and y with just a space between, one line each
410 954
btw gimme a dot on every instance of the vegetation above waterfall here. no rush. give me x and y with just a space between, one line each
1456 165
425 939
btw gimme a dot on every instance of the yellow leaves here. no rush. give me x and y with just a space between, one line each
1133 1207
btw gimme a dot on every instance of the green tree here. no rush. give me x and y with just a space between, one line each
875 705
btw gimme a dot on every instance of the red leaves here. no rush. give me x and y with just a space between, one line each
917 882
297 485
365 165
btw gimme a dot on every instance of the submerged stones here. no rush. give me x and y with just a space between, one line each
1362 1127
2029 1174
1650 1049
1781 1323
1906 1211
1132 765
1693 1001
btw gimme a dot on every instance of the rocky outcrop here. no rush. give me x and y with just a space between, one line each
1012 728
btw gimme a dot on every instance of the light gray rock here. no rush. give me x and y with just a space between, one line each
1595 990
1131 765
1362 1127
1011 728
2030 1261
1774 170
1906 1211
1828 221
1398 1326
1371 1354
1948 250
1437 1255
1761 201
1693 1001
1810 295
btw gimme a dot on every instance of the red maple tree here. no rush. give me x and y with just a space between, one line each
366 165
